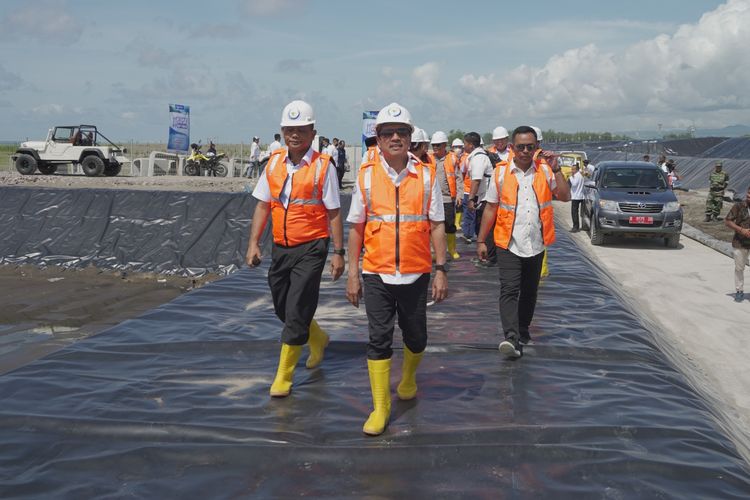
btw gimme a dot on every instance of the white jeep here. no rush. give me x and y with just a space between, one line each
77 144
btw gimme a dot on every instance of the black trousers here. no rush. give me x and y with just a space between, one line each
383 302
340 175
519 281
450 217
576 207
490 241
294 279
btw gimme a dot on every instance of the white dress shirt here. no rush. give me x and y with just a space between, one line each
576 186
480 167
254 151
526 239
331 198
274 146
358 214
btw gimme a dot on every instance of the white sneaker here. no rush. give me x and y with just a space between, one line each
509 350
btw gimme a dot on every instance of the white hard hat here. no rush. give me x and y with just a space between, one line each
538 132
439 137
499 133
481 141
424 136
416 135
394 113
457 143
297 114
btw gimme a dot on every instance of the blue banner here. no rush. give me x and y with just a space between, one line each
179 129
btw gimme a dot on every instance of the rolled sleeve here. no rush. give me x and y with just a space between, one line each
331 197
262 191
491 195
437 212
357 213
478 166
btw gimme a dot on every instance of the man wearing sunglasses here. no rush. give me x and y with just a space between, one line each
396 211
299 190
519 203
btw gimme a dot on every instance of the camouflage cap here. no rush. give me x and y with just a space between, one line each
718 164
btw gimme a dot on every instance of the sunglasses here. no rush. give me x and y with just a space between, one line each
387 133
524 147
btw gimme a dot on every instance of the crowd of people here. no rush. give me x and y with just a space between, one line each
403 217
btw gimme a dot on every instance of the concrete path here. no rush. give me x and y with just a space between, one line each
687 294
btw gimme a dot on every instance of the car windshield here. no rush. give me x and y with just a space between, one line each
644 178
567 161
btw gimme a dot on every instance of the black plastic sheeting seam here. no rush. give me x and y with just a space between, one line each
175 404
188 234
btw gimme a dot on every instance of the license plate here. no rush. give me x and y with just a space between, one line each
641 220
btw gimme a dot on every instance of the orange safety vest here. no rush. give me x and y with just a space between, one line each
463 162
450 172
305 217
507 188
372 152
397 231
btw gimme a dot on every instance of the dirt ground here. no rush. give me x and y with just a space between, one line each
44 310
694 210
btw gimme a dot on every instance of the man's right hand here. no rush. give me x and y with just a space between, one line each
353 290
482 250
253 256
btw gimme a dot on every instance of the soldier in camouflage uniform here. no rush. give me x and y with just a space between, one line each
718 181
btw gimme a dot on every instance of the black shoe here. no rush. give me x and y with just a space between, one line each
525 338
510 350
739 296
485 264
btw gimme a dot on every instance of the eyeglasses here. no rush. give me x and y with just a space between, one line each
387 133
524 147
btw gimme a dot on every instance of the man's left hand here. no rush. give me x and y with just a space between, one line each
337 266
440 287
551 159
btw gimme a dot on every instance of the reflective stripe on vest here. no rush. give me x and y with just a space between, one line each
507 192
397 228
305 218
449 165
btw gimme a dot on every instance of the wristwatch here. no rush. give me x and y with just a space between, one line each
340 252
441 267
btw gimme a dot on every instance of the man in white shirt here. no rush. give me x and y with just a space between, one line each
480 168
299 191
576 196
275 144
519 202
396 212
253 169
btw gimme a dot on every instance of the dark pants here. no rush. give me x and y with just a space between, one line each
340 174
519 281
383 302
576 207
490 241
467 221
450 217
294 278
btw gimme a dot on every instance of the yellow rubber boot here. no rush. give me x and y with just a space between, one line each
282 384
407 389
380 384
545 269
459 213
317 342
451 238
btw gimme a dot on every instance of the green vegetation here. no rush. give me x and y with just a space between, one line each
5 151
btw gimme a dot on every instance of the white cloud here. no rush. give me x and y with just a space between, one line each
425 80
46 21
699 68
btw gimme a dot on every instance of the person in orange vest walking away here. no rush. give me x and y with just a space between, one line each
519 203
396 210
449 178
300 191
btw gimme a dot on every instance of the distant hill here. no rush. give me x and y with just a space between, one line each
731 131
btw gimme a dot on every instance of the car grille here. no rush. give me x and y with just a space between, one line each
641 208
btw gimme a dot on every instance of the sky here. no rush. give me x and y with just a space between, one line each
569 66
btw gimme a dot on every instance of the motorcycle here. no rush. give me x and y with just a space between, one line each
198 163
